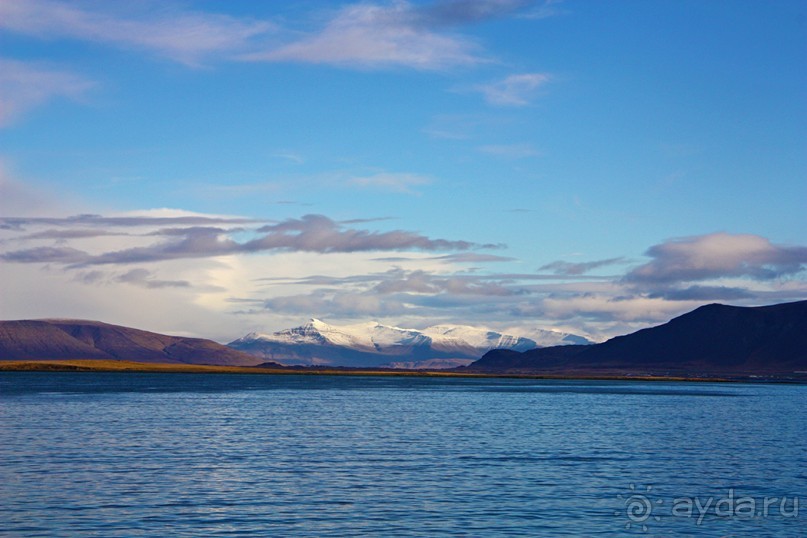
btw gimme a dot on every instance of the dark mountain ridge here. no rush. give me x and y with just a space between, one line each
712 339
62 339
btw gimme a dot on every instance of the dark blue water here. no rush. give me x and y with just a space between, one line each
84 454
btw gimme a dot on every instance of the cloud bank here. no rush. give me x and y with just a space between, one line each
314 265
311 233
718 255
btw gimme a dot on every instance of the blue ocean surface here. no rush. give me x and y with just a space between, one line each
110 454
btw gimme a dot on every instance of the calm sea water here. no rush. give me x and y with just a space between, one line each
239 455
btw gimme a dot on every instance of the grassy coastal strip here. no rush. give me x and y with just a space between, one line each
141 367
146 367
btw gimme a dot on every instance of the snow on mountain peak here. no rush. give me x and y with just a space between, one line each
374 335
550 337
465 336
317 324
251 337
318 342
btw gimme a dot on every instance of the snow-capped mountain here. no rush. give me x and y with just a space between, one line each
549 338
470 340
375 345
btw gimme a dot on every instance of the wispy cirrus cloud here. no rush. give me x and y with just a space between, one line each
510 151
399 292
364 35
424 282
600 307
25 86
62 255
702 293
289 156
455 258
311 233
330 303
464 126
145 278
472 257
561 267
321 234
64 235
513 90
549 8
143 219
452 12
399 34
181 35
392 182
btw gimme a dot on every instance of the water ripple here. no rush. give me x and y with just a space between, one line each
209 455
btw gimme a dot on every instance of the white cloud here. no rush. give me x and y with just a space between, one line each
172 213
510 151
514 90
201 237
561 267
718 255
549 8
24 86
452 12
372 36
183 36
402 183
363 35
465 126
608 308
291 156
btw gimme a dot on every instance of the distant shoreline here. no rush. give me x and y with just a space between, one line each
156 368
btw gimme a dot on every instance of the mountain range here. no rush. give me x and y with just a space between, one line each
375 345
713 339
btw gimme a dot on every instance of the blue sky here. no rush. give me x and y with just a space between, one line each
588 166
